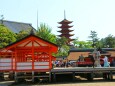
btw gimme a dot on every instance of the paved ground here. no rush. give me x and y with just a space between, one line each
78 82
6 83
82 82
99 83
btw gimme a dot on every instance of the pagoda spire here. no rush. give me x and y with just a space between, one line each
64 15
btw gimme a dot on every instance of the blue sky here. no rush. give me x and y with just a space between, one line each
87 15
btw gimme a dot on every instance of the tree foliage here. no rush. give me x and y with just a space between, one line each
63 47
61 41
75 42
108 41
23 34
94 39
44 32
6 36
82 44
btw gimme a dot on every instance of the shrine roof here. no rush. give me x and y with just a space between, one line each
89 50
22 42
15 26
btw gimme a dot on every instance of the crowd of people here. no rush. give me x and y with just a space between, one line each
96 61
64 63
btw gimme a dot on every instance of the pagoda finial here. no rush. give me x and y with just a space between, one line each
64 15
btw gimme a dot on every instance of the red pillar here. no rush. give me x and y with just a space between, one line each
32 55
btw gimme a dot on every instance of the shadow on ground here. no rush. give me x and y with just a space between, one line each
44 82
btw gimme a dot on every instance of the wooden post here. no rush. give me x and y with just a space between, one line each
15 76
1 76
32 76
110 76
73 76
90 76
50 77
54 77
105 76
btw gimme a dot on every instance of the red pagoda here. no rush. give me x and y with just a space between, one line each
65 31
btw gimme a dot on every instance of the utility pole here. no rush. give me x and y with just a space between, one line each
37 19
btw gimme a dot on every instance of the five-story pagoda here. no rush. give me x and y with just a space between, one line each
65 31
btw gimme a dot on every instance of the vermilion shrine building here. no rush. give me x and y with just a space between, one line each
28 54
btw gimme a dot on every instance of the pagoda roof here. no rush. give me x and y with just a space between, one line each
65 30
71 39
66 35
65 21
65 27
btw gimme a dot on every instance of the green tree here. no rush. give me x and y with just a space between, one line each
108 41
44 32
75 42
6 36
102 43
23 34
82 44
61 41
94 39
63 47
63 51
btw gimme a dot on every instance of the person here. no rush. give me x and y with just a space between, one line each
113 62
106 63
92 59
56 63
96 55
67 63
98 58
81 58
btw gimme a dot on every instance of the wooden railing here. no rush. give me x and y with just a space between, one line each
9 64
5 64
